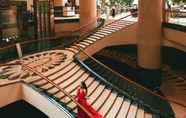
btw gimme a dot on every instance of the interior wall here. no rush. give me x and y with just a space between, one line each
19 91
63 27
174 38
41 103
10 93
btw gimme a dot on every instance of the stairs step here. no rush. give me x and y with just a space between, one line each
72 89
95 37
115 108
111 107
140 113
72 80
98 35
132 111
111 28
115 26
101 99
56 75
92 39
84 43
108 30
148 115
88 41
102 33
62 78
124 109
81 45
105 31
96 94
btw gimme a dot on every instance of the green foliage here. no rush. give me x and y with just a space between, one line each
120 2
177 1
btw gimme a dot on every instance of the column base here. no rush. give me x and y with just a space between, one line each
150 78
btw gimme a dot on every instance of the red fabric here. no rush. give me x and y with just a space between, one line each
82 100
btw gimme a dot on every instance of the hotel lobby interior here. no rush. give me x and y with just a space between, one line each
130 54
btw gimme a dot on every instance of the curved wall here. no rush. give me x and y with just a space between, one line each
171 38
17 91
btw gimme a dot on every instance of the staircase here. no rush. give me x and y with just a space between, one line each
68 74
122 57
174 84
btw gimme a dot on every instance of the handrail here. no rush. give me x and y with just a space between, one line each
76 30
72 31
29 41
42 76
120 19
83 26
54 84
47 38
36 40
130 81
9 64
176 11
94 30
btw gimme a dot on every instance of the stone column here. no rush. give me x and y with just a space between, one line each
29 5
88 13
149 42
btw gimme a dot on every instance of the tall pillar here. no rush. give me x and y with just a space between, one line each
149 42
88 13
29 5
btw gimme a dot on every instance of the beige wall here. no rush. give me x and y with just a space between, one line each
19 91
63 27
41 103
175 39
10 94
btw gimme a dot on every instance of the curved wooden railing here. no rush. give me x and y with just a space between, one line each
72 31
47 38
130 81
47 79
96 29
59 88
139 85
176 12
81 27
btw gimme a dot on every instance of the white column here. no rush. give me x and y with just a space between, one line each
149 34
88 13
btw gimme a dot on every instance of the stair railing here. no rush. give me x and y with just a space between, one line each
128 80
40 74
59 88
96 29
